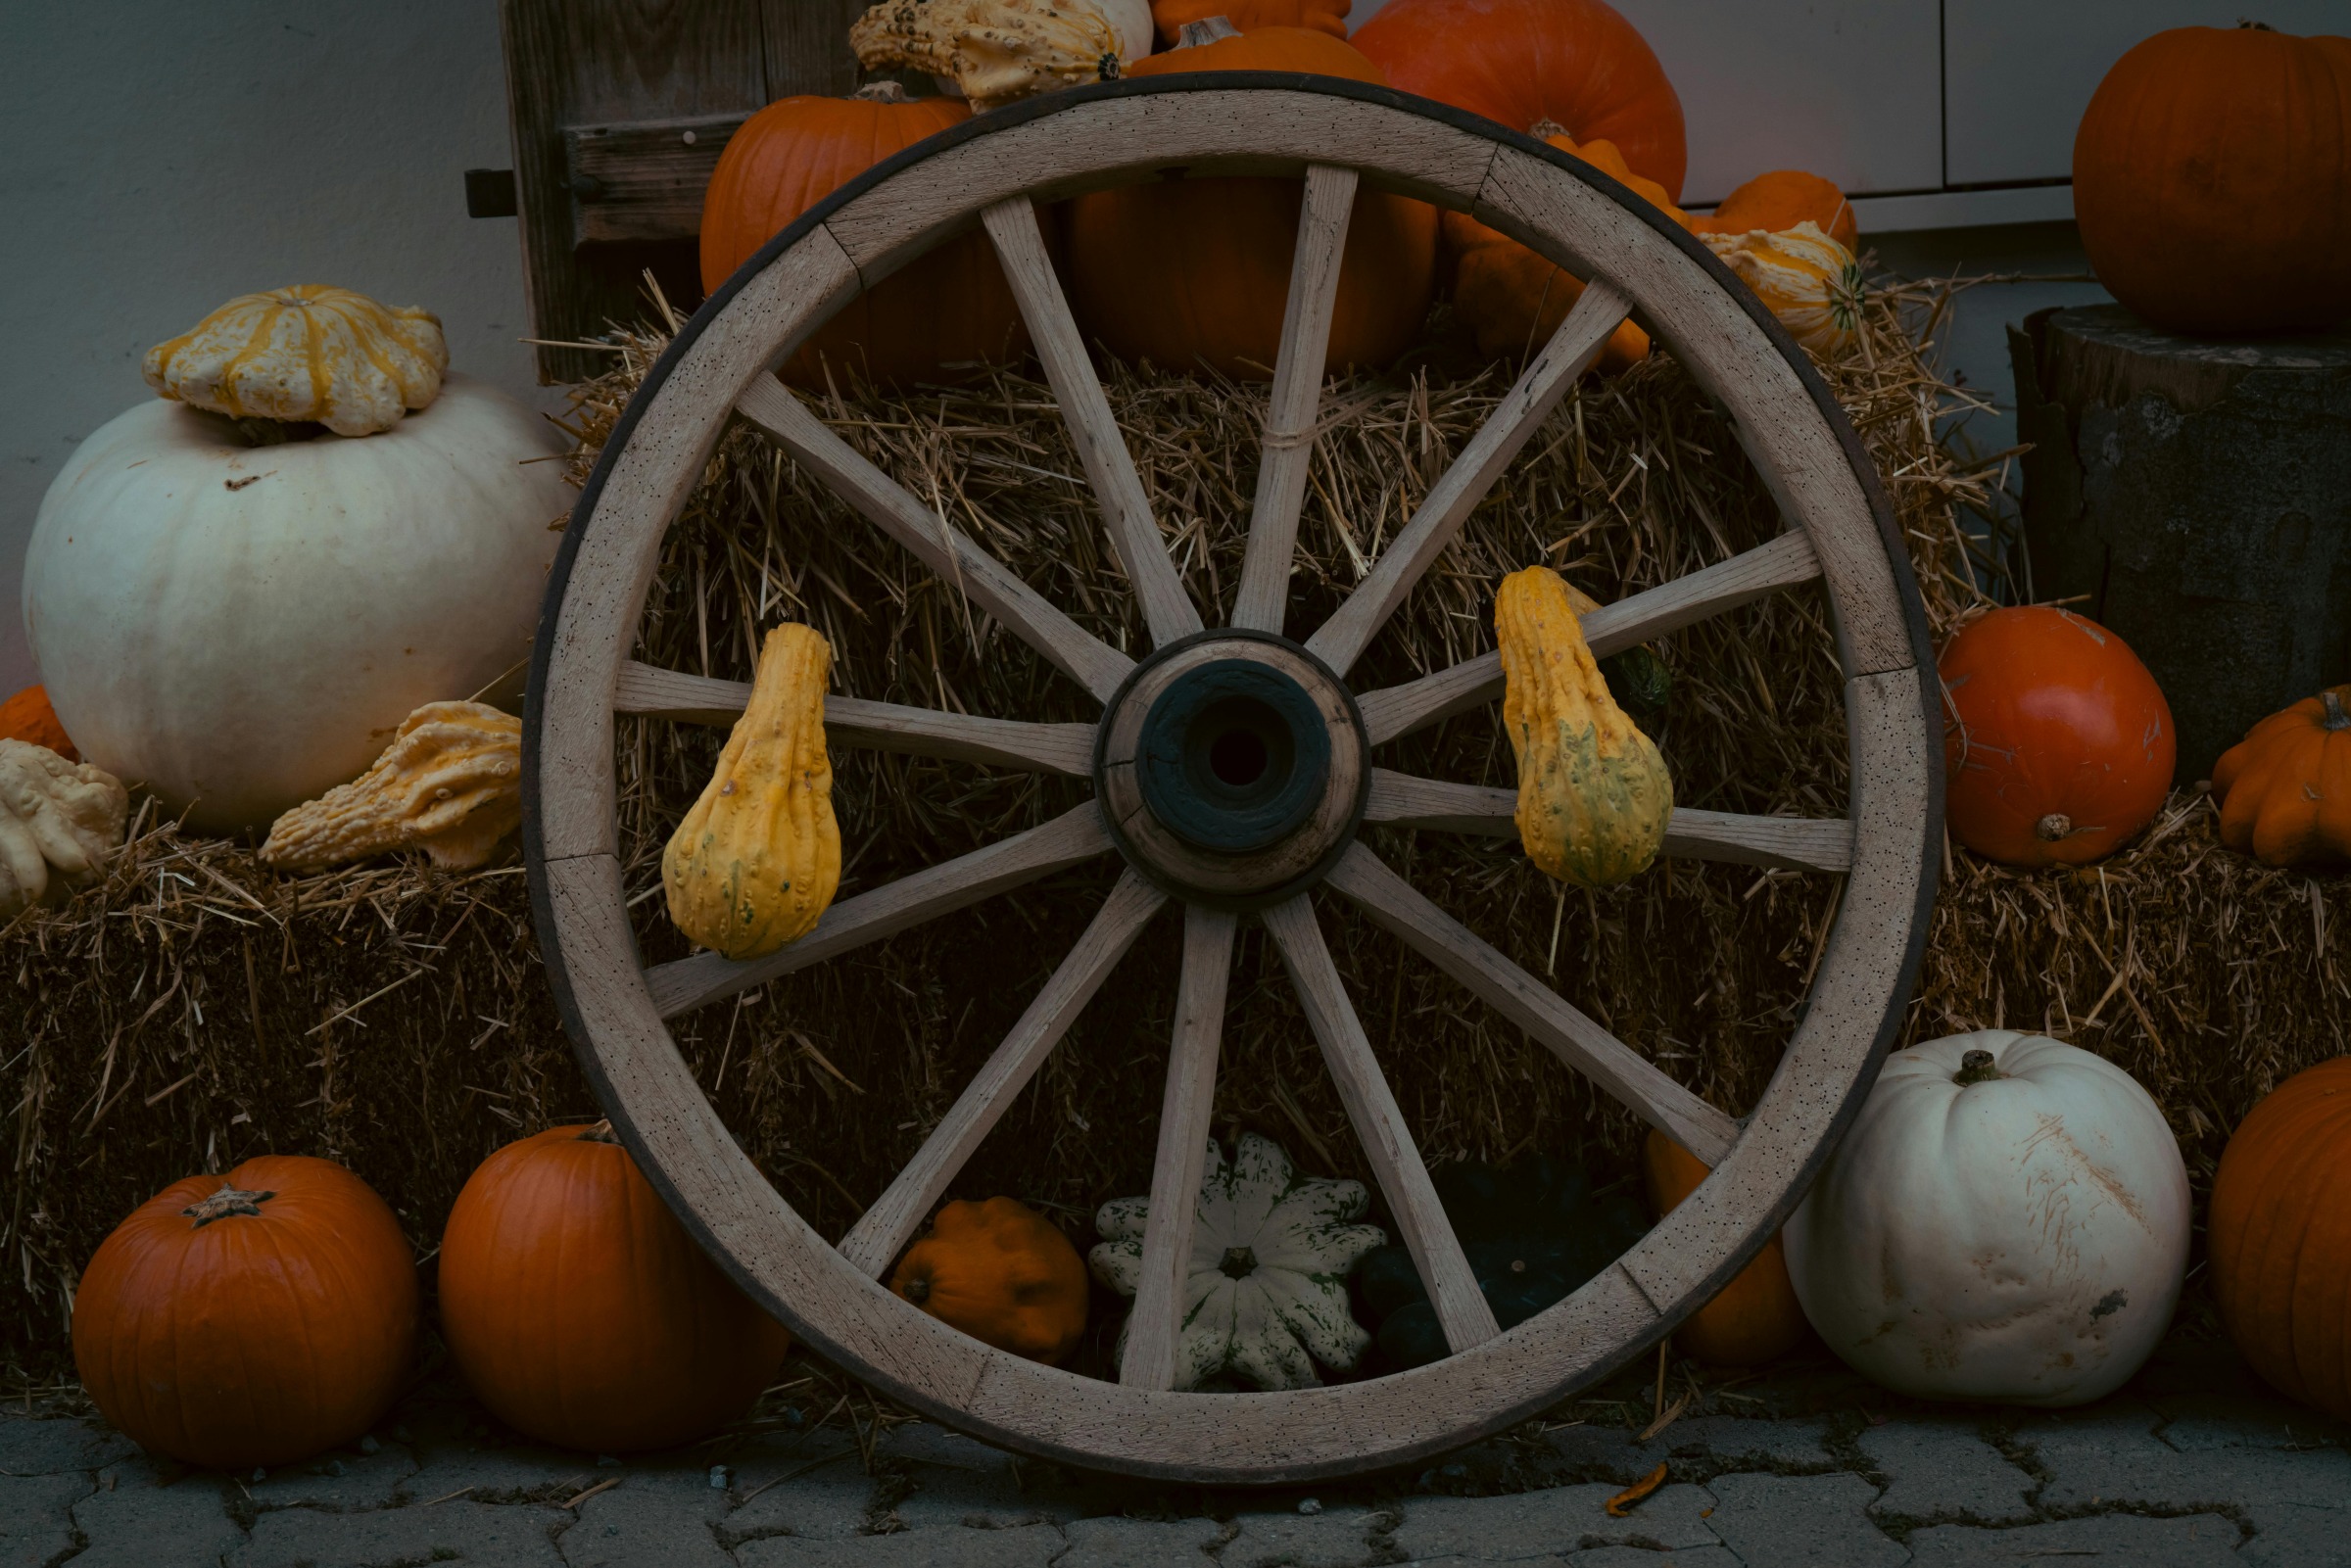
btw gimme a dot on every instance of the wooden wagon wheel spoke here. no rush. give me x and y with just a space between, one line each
885 1229
1342 639
938 544
1168 610
1788 843
1066 748
1785 562
1576 1039
1156 1322
1072 838
1263 601
1395 1159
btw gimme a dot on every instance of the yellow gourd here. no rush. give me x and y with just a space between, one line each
757 858
1593 795
449 783
1810 282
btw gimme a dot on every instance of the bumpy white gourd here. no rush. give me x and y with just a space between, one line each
59 822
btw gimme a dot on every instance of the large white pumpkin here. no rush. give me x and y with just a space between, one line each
2018 1239
241 627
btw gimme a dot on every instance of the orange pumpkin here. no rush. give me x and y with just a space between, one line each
2057 743
1755 1319
1001 1272
1171 17
2279 1237
930 320
1513 299
249 1319
582 1312
2211 180
1779 200
27 716
2285 790
1196 273
1538 65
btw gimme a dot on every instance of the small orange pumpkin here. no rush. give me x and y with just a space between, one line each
1779 200
2286 789
1513 299
1001 1272
1756 1317
2277 1240
582 1312
249 1319
29 717
1193 272
933 318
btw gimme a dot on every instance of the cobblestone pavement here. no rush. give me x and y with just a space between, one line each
2193 1464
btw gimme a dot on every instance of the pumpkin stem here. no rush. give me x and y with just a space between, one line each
2256 26
225 1203
2331 699
883 92
2053 826
1976 1066
917 1290
1239 1262
1546 128
601 1132
1208 30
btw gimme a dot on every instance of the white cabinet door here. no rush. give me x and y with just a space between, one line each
2019 72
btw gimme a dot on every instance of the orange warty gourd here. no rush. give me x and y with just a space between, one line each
2284 789
1779 200
582 1312
2211 180
1538 66
1170 16
1513 299
29 717
1756 1317
249 1319
2280 1250
1001 1272
1196 273
930 320
2057 743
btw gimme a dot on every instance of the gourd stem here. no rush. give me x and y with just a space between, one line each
1974 1066
1208 30
601 1132
2336 718
225 1203
2053 826
1239 1262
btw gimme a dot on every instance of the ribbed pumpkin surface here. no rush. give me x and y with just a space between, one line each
2279 1237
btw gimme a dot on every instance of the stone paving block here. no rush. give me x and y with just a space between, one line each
2199 1541
1335 1537
1642 1557
131 1522
488 1473
37 1517
1117 1543
342 1482
826 1502
497 1536
1029 1547
30 1447
1774 1521
658 1520
2104 1460
1535 1525
1788 1444
1944 1469
2197 1422
1602 1452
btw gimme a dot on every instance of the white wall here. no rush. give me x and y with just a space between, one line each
162 157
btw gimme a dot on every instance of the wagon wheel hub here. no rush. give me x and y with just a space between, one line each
1232 769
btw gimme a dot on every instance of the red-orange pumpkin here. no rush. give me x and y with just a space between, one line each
1170 16
2057 743
249 1319
29 717
1001 1272
1538 66
1756 1317
2279 1237
2211 180
929 322
582 1312
1196 273
1779 200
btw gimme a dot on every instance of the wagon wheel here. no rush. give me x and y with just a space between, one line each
1247 842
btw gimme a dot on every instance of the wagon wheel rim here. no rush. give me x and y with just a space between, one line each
989 171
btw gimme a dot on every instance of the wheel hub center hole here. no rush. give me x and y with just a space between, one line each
1238 758
1238 751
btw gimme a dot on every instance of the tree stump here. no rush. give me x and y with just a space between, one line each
2196 494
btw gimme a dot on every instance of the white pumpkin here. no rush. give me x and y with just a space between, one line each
2007 1220
1265 1291
243 628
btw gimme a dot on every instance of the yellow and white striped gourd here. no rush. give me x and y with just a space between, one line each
1594 796
305 354
757 858
1810 281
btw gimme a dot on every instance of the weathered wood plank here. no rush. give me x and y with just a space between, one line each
1791 844
643 180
